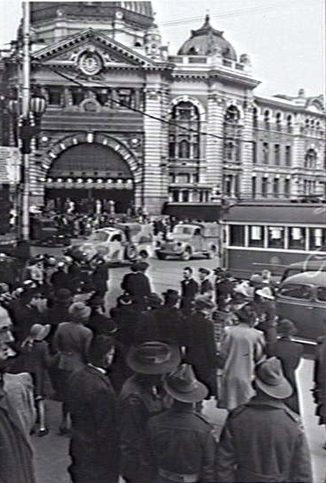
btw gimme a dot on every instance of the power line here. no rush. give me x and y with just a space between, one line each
143 113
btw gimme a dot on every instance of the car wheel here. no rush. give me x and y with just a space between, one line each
160 256
131 253
186 255
212 253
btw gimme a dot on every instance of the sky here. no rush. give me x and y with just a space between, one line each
285 39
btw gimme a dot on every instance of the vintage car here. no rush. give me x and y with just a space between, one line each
188 240
119 242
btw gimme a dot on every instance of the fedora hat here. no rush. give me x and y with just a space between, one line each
266 293
204 270
79 311
270 379
170 293
39 332
183 386
244 290
153 358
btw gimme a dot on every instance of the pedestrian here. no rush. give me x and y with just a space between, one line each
189 290
92 404
263 440
22 311
147 320
137 283
36 360
266 309
17 414
242 348
200 347
61 279
223 287
205 285
100 276
71 342
58 310
99 322
141 397
289 353
319 379
181 441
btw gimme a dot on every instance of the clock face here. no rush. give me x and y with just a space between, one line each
90 63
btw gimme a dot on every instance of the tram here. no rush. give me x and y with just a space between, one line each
271 236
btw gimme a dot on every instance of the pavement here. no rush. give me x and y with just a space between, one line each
52 450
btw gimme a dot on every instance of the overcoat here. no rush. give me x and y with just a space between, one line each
94 447
263 442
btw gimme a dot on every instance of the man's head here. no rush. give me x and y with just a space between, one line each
187 273
6 337
203 273
101 351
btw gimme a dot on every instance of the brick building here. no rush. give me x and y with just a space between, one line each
130 123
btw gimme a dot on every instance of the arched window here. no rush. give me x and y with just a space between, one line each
184 132
184 149
229 150
232 115
267 119
289 123
278 121
310 159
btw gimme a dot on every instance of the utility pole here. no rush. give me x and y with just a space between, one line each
25 222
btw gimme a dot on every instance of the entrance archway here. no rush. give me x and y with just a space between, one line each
91 175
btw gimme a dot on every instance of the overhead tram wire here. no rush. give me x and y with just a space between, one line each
139 111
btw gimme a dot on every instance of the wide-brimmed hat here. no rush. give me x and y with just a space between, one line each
183 386
244 290
153 358
286 327
204 270
204 303
256 279
63 296
125 299
79 311
270 379
39 332
266 293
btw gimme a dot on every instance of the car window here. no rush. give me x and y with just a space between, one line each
296 291
99 236
321 294
117 238
183 230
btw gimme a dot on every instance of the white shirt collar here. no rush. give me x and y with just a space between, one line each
100 369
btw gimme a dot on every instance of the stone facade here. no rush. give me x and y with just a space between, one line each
187 128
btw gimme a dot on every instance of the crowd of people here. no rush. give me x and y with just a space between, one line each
133 379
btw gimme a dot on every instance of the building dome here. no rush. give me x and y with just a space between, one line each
207 41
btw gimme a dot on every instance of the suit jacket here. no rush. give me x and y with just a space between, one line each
136 284
189 290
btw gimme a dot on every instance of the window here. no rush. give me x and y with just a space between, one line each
287 187
264 187
102 96
184 149
255 116
116 238
321 294
317 239
265 153
184 143
256 236
276 187
237 235
175 196
232 115
310 159
288 156
267 119
55 95
278 121
289 123
185 196
276 237
297 238
296 291
277 154
254 153
229 151
254 187
125 97
171 147
183 178
77 95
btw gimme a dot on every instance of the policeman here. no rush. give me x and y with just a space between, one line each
263 441
181 440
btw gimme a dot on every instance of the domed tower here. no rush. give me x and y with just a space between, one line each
153 43
127 22
208 41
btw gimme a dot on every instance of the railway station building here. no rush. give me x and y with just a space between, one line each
128 122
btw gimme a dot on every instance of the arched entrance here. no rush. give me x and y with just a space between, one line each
94 176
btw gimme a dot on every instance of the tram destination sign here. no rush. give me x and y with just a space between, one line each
9 165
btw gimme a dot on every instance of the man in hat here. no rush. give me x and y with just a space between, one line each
137 284
181 440
17 414
100 276
263 440
242 348
205 285
94 447
189 290
62 279
266 310
141 397
200 347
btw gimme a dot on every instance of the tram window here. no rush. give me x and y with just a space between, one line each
317 239
321 294
237 235
297 238
256 236
296 291
276 237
